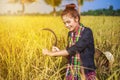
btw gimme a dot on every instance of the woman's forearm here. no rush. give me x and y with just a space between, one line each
60 53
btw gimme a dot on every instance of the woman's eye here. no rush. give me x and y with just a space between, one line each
68 22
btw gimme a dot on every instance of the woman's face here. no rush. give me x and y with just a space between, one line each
70 22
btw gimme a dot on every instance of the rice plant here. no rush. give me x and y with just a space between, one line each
22 40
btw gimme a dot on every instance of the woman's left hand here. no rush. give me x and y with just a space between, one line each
55 49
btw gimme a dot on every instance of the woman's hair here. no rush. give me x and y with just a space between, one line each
71 11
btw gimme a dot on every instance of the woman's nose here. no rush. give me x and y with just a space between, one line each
66 25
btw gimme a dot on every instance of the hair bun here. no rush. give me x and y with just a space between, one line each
70 6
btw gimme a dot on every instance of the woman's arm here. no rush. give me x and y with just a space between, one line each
58 53
84 41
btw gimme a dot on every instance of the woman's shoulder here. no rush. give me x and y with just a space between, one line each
87 29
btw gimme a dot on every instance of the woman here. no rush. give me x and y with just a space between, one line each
80 49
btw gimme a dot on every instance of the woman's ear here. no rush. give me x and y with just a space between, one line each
76 19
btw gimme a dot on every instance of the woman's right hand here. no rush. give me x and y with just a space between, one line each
55 49
45 52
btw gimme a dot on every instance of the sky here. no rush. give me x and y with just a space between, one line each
100 4
41 7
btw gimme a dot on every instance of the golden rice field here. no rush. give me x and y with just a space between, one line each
22 40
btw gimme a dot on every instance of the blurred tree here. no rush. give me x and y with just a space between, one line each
80 3
22 3
54 4
111 7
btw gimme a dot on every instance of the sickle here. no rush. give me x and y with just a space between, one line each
55 43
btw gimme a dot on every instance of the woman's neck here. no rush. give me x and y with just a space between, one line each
76 28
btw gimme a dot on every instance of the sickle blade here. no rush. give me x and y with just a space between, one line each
55 44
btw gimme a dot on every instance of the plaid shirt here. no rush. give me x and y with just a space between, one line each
73 67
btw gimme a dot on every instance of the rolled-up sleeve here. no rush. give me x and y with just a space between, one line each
82 43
